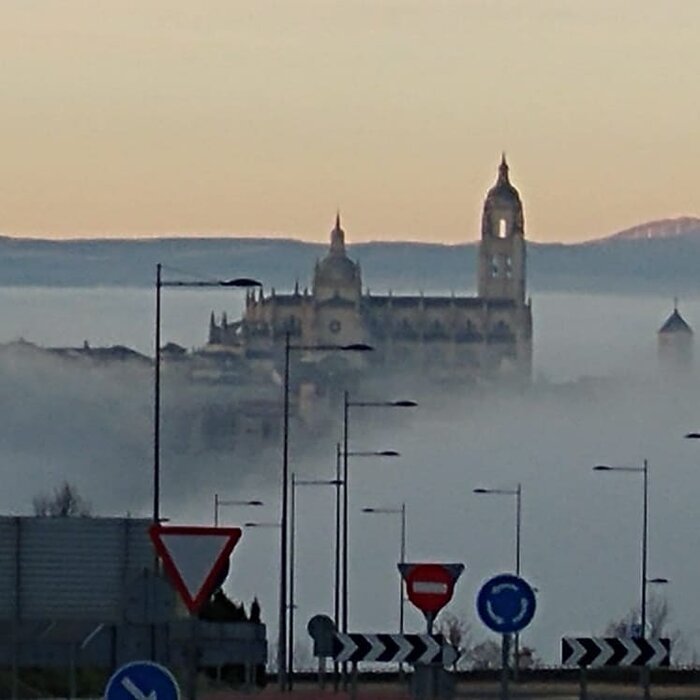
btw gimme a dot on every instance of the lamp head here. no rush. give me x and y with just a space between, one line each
602 468
357 347
241 282
404 404
692 436
388 453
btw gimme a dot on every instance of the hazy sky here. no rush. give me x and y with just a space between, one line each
125 117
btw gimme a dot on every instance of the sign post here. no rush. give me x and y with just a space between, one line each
506 604
430 587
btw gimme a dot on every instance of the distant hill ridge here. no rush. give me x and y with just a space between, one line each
663 228
656 257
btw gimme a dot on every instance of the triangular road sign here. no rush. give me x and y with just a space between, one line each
194 557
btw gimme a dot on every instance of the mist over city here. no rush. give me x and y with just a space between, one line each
598 396
294 293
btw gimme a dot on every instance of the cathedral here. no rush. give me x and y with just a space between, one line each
444 337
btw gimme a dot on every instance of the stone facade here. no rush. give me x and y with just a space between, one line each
447 337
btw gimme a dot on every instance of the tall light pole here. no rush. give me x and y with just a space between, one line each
644 471
218 502
240 283
518 493
284 530
347 404
645 581
292 571
346 513
402 552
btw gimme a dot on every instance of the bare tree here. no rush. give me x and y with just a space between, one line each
658 615
64 502
458 632
485 655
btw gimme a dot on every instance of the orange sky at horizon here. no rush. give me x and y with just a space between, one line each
132 119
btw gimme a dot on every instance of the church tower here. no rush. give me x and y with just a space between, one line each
502 249
675 343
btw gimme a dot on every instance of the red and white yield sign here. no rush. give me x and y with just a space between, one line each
195 558
430 586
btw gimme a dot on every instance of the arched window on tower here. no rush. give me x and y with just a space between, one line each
502 228
494 266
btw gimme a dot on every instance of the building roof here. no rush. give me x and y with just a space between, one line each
503 189
336 268
675 323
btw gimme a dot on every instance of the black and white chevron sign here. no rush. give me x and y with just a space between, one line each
393 648
615 651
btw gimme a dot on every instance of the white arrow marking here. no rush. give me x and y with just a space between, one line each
136 692
500 620
659 652
405 647
432 651
523 611
349 647
577 651
633 651
376 648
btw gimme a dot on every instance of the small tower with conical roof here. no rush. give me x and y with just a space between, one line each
502 249
675 343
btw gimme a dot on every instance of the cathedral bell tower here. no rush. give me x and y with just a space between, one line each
502 249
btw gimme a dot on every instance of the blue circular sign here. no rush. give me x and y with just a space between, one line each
506 603
142 680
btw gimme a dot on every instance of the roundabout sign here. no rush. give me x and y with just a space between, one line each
506 603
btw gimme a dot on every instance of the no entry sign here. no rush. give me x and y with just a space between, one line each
430 586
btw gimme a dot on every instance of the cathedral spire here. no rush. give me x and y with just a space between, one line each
337 237
503 168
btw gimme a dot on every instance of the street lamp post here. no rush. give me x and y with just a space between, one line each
284 533
644 471
345 548
239 282
402 552
347 404
518 493
292 571
218 502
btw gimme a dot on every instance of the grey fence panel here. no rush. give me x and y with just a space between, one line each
70 568
8 568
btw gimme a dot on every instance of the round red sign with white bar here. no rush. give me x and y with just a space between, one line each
430 586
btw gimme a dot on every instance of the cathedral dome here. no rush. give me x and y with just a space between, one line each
503 189
336 269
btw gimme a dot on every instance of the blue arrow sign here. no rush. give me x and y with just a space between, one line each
506 603
142 680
